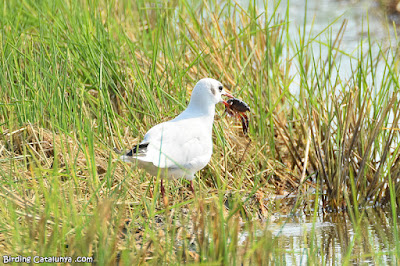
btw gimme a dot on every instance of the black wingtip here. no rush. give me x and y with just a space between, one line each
137 149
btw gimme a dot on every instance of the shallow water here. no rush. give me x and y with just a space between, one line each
323 20
370 240
333 239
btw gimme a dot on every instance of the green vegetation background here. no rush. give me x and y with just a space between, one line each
80 78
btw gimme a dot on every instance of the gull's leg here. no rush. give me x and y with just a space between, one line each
162 189
191 186
165 198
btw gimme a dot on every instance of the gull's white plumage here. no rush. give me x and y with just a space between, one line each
182 146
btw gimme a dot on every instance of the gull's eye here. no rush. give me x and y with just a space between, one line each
220 88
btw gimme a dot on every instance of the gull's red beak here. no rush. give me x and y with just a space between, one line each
228 94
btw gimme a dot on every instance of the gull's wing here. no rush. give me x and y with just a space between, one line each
185 144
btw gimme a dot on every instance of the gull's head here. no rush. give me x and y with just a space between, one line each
209 91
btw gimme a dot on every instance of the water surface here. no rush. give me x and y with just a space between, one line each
368 240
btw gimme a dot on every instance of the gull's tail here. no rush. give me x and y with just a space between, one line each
137 151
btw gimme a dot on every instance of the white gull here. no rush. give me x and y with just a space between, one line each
182 146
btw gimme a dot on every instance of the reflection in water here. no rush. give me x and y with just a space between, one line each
333 238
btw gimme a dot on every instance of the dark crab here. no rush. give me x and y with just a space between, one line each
236 107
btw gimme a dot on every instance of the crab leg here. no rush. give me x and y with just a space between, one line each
245 123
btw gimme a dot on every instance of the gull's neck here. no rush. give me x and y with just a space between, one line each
201 107
198 108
